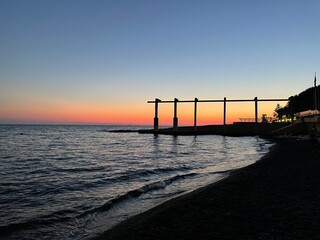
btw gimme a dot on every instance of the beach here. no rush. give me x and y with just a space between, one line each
275 198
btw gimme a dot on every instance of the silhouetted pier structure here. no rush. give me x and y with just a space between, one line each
210 129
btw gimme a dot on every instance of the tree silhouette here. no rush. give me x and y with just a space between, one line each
298 103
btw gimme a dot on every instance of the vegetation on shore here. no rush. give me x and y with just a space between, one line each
298 103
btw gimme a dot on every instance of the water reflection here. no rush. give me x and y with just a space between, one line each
224 146
174 146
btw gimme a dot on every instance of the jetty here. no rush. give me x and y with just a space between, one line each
243 128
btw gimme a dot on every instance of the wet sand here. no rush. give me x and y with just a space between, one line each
276 198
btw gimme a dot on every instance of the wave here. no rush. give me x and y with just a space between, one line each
70 215
31 224
223 171
138 192
80 169
137 173
101 181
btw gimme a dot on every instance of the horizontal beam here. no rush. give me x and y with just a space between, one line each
273 100
230 100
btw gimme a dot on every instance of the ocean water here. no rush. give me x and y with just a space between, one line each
74 182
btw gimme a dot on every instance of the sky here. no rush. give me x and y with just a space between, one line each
99 62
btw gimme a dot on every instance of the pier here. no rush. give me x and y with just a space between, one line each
247 128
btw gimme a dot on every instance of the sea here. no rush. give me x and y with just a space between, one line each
75 182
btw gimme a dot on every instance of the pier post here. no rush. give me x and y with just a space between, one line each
224 110
224 114
156 120
256 114
175 118
256 109
195 115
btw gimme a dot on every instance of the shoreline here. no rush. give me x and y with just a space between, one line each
276 197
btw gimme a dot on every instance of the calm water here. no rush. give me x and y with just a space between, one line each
72 182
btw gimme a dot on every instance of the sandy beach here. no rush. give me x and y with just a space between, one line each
276 198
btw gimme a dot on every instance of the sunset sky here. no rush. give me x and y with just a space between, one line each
81 61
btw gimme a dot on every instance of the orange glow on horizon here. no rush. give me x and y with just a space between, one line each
80 113
135 114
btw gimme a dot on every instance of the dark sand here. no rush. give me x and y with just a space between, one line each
276 198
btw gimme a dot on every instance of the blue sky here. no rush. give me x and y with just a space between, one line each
111 53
